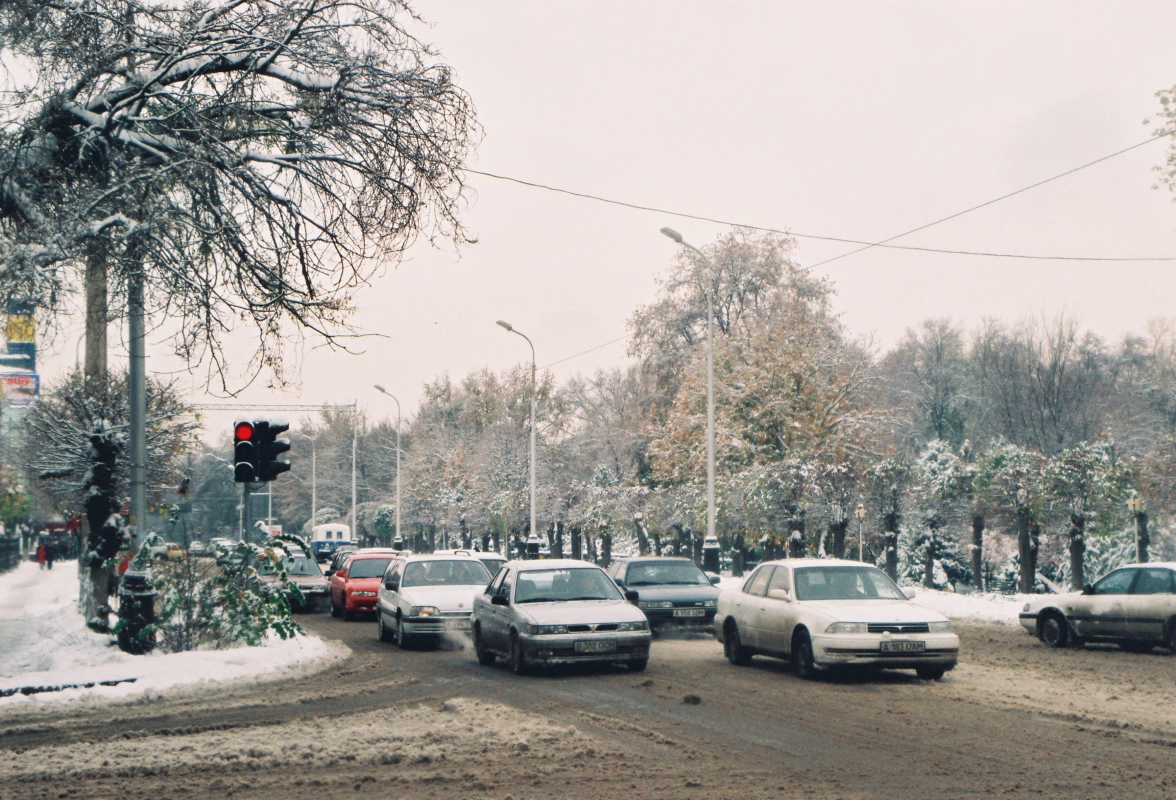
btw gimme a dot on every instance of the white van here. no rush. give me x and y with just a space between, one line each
326 539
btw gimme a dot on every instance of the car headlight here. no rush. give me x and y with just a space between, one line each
633 626
711 603
939 627
546 630
363 594
654 604
847 627
424 611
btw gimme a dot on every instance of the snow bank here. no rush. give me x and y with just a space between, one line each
45 643
1003 608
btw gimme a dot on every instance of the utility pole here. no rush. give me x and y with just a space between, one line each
354 434
138 406
384 391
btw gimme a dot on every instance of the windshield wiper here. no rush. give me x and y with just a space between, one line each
538 600
589 598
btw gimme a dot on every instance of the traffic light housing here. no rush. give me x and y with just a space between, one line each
244 451
269 447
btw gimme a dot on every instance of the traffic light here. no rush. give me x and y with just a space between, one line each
244 451
269 447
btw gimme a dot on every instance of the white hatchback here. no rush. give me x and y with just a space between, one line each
426 596
823 613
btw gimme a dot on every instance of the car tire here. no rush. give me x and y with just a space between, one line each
402 639
930 673
385 634
334 608
802 656
485 657
639 665
1170 640
1053 630
348 616
518 661
733 647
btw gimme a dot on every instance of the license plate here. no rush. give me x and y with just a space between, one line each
903 647
689 612
457 623
596 647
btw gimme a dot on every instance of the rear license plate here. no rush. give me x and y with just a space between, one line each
689 612
596 647
903 647
457 623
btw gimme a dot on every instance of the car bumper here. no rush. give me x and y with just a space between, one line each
659 617
314 602
561 648
940 650
1029 622
360 604
424 626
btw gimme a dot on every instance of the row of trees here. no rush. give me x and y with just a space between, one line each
1010 447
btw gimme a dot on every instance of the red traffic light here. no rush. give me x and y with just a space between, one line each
243 431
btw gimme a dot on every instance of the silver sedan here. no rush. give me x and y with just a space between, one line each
558 612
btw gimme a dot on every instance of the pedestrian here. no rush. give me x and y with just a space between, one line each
50 552
42 554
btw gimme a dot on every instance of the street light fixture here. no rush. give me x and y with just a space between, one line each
510 328
710 386
384 391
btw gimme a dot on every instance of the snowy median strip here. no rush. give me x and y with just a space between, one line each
46 644
1002 608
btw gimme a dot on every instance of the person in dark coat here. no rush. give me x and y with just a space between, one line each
50 554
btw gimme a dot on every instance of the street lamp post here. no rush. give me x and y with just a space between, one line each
313 482
860 513
510 328
710 387
1142 540
384 391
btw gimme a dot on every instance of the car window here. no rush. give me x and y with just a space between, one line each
780 580
845 583
446 572
492 587
393 573
368 568
1117 582
564 585
507 583
662 573
1153 581
758 583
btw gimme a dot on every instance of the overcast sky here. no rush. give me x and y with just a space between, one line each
855 120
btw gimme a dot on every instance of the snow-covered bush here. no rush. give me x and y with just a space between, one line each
1103 554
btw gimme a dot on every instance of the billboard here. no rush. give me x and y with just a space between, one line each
20 388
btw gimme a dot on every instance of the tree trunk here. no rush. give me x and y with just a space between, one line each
657 545
466 542
642 538
1142 540
696 547
557 550
1077 551
738 556
978 551
605 549
93 591
929 560
796 543
838 529
577 543
890 533
1025 571
592 549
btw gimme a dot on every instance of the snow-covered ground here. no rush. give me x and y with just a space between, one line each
44 642
1003 608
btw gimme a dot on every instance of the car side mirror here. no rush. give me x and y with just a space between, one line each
619 582
631 596
779 594
329 573
498 600
715 580
391 585
342 573
910 592
1088 589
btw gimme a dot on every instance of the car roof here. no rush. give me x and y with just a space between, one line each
654 558
373 553
551 563
816 562
1161 564
437 557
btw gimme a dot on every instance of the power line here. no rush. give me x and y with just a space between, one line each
988 203
843 240
266 407
589 350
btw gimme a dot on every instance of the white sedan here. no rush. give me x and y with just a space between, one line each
426 596
823 613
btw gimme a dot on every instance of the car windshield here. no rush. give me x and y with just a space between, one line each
368 567
296 565
492 564
563 585
445 572
845 583
653 573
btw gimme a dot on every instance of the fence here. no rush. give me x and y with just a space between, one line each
9 553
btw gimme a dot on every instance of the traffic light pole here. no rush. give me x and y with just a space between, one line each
246 512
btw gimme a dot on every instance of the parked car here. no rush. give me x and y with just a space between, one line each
356 584
824 613
168 550
490 560
1134 607
673 591
428 595
340 558
562 611
199 550
303 572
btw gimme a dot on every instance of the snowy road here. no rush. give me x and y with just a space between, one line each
1015 720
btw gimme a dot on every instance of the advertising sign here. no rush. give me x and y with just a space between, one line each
20 388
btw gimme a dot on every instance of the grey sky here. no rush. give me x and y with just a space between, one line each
859 120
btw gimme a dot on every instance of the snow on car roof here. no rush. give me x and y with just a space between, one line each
553 563
818 562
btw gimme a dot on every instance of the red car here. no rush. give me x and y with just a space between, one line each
357 582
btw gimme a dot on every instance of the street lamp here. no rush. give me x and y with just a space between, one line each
1142 540
710 387
510 328
313 483
384 391
860 513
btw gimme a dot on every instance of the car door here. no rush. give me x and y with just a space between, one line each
1150 604
776 616
387 599
498 622
1104 612
338 583
750 606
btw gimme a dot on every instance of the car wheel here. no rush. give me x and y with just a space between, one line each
402 638
485 657
802 656
1170 641
1054 630
930 673
733 647
518 661
348 616
385 634
638 666
334 608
